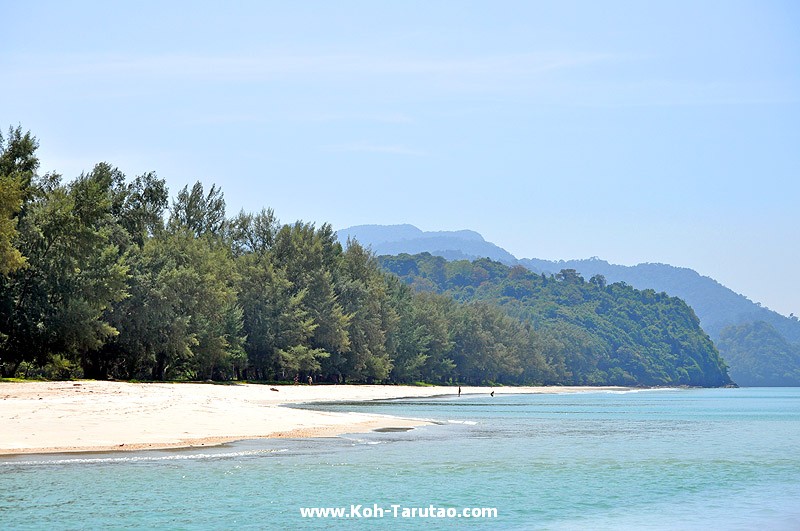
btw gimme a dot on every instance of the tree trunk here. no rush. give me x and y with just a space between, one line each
159 368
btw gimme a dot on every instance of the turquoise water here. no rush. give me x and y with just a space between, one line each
660 459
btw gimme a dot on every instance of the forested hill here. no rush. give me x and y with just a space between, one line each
760 356
722 312
752 340
588 332
717 306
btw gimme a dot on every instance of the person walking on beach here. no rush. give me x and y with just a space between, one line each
310 380
459 390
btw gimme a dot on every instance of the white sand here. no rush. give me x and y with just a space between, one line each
43 417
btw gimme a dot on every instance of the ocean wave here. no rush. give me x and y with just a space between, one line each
142 458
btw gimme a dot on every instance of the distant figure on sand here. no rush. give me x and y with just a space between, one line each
459 390
310 380
491 394
297 379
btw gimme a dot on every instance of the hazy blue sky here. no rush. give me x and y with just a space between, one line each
633 131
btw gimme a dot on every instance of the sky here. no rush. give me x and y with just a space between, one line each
659 131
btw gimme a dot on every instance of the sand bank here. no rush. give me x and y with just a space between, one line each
84 416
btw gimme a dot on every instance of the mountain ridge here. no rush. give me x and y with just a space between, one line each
399 239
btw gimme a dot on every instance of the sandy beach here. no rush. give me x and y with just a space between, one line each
91 416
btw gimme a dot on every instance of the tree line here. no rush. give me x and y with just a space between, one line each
107 277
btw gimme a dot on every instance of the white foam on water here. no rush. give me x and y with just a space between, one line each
630 391
142 458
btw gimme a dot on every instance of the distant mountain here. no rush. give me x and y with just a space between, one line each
452 245
717 306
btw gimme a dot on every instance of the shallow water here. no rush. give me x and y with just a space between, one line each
660 459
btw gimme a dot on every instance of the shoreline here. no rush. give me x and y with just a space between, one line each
102 416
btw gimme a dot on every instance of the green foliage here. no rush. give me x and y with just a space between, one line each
18 154
18 163
11 258
421 341
301 359
760 356
198 212
75 273
194 330
365 301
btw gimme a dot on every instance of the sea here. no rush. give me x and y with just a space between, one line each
721 459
